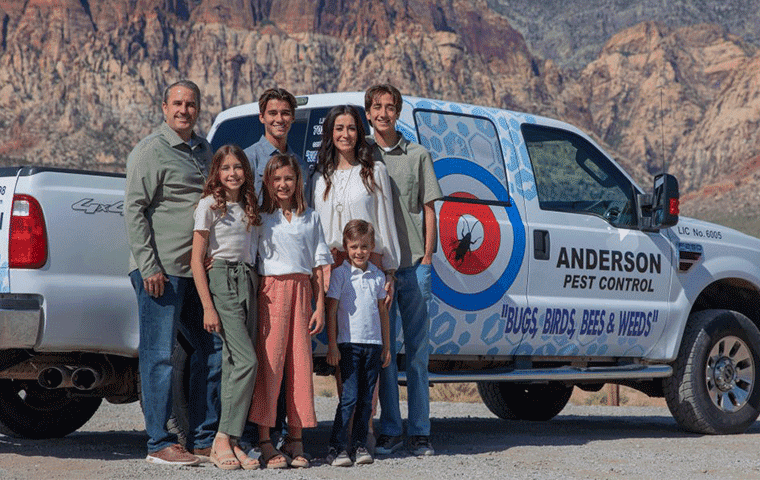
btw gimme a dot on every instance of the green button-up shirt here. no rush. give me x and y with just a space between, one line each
413 184
165 179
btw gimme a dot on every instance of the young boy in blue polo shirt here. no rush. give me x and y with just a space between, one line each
358 341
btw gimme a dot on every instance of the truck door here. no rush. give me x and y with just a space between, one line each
600 284
478 283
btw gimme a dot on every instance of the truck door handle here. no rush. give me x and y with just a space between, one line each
541 247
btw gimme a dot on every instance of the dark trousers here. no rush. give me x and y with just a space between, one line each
359 369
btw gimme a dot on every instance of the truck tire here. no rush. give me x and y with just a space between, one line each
519 401
714 388
29 411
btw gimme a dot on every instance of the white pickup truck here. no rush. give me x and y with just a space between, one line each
553 269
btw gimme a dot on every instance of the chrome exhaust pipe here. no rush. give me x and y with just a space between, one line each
86 378
55 377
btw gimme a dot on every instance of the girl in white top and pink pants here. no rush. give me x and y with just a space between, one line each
292 251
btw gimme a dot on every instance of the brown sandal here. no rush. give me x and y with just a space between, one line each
268 456
297 459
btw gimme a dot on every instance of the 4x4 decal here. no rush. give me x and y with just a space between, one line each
87 205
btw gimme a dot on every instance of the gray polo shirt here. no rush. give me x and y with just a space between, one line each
413 184
165 177
259 154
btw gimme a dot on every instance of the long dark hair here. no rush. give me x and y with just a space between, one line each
269 203
247 197
327 158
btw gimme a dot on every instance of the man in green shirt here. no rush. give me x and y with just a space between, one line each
414 190
165 176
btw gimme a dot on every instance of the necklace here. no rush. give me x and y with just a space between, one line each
341 187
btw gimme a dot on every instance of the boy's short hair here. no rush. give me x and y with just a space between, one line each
358 228
277 94
382 89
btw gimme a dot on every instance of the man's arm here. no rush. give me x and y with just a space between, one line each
140 188
430 233
253 160
430 192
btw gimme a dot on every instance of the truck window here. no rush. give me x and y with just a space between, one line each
573 176
465 143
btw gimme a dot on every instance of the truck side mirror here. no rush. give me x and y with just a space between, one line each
665 201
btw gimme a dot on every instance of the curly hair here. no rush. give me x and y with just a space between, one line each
327 158
247 196
280 160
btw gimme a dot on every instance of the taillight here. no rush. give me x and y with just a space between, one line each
28 239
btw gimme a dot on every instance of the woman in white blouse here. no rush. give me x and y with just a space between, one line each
349 185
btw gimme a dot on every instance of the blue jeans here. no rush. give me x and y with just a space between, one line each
359 367
413 291
160 318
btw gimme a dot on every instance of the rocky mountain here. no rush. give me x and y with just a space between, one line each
80 80
573 33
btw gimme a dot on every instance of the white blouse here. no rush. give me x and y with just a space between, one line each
349 199
297 246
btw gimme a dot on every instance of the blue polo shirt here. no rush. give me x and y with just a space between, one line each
259 154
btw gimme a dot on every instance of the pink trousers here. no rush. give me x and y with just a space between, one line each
284 345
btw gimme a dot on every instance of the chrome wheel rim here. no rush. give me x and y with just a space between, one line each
730 374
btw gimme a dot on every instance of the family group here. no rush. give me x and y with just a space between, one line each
250 253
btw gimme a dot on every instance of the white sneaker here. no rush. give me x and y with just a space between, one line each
362 456
341 460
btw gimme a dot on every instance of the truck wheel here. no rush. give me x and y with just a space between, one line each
519 401
29 411
714 387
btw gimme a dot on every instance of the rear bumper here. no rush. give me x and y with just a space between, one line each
21 319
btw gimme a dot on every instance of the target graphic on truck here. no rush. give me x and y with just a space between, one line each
470 236
481 237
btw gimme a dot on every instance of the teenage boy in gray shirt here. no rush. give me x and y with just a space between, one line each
415 188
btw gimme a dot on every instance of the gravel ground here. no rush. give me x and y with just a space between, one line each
582 442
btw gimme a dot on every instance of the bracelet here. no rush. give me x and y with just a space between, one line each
390 273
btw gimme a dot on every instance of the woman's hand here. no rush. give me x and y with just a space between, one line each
390 281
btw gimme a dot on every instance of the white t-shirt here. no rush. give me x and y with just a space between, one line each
229 238
349 199
297 246
357 293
